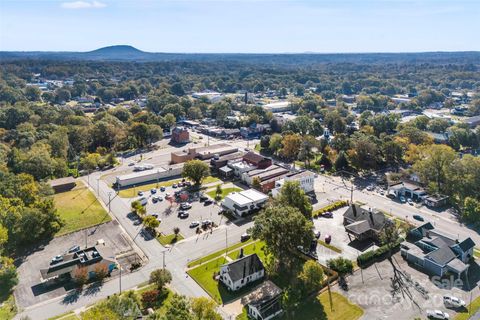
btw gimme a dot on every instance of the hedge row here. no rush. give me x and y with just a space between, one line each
333 206
369 257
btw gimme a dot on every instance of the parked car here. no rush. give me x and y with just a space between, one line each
194 224
154 199
327 214
437 314
208 202
153 191
402 199
154 215
410 201
56 259
174 186
185 206
73 249
328 239
370 188
130 164
317 234
183 215
203 198
206 223
418 217
244 237
453 302
137 222
140 193
162 189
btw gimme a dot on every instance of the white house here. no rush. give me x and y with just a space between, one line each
237 274
243 202
264 303
306 180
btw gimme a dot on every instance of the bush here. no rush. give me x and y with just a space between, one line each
333 206
367 258
150 298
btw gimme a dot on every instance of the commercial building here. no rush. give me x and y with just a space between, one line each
180 135
217 163
240 167
305 178
203 153
408 190
239 273
154 174
263 174
242 203
257 160
265 302
437 253
62 184
278 106
364 224
91 258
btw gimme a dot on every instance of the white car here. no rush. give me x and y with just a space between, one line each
194 224
56 259
370 188
410 201
453 302
437 314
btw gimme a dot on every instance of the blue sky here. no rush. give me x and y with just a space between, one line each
241 25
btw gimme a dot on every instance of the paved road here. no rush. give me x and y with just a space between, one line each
176 257
334 188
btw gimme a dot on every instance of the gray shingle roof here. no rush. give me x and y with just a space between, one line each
441 256
243 267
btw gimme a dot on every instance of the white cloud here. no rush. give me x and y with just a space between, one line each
83 5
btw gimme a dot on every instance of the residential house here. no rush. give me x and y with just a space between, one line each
265 302
180 135
436 252
364 224
239 273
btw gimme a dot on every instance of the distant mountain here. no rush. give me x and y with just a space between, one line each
132 54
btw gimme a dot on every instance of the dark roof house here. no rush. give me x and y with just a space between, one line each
242 271
364 224
264 302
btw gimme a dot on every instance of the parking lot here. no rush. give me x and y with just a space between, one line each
168 213
374 291
334 227
30 291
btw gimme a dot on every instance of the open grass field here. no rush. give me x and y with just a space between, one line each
132 192
203 275
216 254
225 192
79 209
169 239
318 308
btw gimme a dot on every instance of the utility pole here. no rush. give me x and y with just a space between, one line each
86 237
163 253
120 278
98 187
351 196
109 200
226 241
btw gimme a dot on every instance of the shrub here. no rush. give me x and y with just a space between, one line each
333 206
367 258
150 298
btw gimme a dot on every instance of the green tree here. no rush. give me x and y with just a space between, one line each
160 278
471 210
178 308
283 229
137 208
257 183
176 232
292 195
433 165
195 170
341 265
218 192
151 223
8 274
311 275
203 308
275 143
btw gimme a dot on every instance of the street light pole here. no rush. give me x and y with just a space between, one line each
98 187
109 200
120 279
163 253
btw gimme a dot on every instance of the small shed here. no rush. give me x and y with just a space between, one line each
63 184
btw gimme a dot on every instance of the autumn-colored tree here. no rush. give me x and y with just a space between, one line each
291 146
80 276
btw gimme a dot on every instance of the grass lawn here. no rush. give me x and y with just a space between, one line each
329 246
66 316
79 209
474 307
203 275
225 191
169 239
476 253
216 254
9 309
255 247
132 192
318 308
243 315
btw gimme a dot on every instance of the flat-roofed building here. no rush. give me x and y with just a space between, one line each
203 153
62 184
217 163
305 178
263 174
241 203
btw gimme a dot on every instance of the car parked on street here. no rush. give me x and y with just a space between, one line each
418 217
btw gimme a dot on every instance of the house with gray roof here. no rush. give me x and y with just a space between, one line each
265 302
436 252
237 274
364 224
